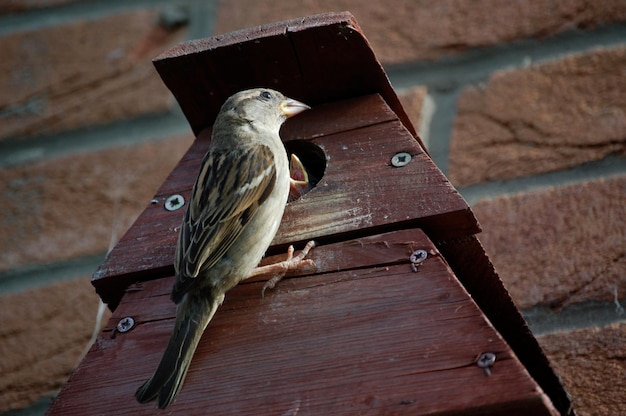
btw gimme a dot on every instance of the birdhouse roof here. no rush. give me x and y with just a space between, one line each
315 59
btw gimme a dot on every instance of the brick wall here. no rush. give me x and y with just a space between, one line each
522 104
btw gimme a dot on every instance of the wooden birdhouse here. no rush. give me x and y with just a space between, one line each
403 313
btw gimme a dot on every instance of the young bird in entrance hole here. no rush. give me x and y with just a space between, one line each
233 214
299 183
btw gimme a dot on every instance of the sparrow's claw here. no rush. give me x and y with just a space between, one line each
279 270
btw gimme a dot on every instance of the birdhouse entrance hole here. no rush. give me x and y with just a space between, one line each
312 158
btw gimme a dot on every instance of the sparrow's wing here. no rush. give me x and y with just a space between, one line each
229 190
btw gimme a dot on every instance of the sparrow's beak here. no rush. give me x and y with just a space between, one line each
291 107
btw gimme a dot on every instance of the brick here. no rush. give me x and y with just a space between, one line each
542 118
402 31
592 365
73 206
80 74
43 333
561 245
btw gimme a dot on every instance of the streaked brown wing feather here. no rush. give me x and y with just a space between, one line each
230 188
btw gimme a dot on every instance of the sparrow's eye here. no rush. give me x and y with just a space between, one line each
266 95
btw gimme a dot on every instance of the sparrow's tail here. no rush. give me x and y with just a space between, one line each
192 317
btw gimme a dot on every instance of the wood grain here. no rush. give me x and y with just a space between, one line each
350 339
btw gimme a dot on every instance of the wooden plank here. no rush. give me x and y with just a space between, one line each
360 193
470 263
382 250
314 59
350 339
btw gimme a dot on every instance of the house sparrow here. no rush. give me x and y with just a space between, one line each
233 214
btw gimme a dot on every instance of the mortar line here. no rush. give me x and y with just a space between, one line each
609 167
18 151
441 127
202 27
34 19
475 65
590 314
31 276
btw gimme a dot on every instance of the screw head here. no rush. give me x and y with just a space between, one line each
174 202
418 256
401 159
125 324
486 360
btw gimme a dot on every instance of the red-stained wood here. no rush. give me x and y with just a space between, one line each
360 193
316 59
363 335
470 263
382 250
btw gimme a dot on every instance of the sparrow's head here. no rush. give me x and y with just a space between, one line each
260 107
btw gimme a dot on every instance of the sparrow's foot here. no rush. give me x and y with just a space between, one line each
279 270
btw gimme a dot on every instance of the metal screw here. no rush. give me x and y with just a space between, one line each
125 324
174 202
401 159
417 258
485 361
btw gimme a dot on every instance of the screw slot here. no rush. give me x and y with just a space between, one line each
174 202
417 258
485 361
401 159
125 324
